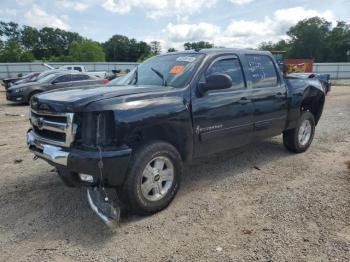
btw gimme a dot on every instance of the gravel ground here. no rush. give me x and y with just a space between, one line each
257 203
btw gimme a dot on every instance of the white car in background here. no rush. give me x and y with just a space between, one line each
81 68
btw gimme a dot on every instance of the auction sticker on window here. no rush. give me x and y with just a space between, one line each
177 69
188 59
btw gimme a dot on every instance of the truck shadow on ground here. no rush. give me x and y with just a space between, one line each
46 209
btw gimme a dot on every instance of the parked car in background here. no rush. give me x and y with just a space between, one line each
22 93
122 80
325 79
170 109
8 82
80 68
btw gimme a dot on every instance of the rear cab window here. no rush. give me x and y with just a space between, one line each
230 66
262 71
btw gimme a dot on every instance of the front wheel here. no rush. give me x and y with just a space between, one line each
299 139
153 178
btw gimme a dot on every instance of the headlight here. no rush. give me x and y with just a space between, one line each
96 128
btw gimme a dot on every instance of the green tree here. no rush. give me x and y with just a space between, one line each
121 48
281 45
117 48
30 37
338 43
198 45
155 47
86 51
309 38
171 49
10 30
13 52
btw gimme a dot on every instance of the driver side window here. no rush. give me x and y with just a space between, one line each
230 67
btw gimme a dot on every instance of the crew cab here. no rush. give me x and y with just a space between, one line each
136 136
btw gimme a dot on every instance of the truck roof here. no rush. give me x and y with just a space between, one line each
213 51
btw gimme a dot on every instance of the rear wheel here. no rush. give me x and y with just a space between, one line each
153 178
300 138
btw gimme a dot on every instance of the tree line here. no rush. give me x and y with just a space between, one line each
317 39
314 38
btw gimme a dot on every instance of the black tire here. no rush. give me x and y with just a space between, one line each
131 191
291 137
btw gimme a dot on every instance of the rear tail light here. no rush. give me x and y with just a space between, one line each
105 81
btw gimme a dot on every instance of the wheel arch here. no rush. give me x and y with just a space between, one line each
313 100
176 136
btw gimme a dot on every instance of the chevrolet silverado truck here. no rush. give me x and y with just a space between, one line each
136 135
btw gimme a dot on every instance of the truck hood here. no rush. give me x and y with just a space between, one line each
71 100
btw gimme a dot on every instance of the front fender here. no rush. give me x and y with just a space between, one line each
141 119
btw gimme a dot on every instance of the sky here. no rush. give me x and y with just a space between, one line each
228 23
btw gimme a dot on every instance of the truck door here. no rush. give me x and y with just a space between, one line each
222 119
269 96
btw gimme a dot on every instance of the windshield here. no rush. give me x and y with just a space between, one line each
46 78
173 70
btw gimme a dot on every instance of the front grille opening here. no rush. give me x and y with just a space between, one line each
60 137
58 119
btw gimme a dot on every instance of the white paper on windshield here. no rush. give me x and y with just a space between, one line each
188 59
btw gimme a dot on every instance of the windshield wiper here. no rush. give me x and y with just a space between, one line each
160 75
136 75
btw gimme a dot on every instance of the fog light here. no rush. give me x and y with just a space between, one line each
86 178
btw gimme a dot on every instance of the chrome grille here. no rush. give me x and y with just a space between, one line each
53 128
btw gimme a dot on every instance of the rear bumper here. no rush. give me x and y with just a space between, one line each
71 162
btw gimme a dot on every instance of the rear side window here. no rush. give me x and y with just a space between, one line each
262 71
64 78
231 67
77 68
79 77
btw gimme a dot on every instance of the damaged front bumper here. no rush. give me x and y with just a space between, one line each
72 162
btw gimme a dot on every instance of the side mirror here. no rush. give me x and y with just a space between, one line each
215 82
54 82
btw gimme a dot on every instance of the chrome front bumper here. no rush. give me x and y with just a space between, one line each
50 153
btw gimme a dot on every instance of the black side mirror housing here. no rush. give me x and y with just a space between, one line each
215 82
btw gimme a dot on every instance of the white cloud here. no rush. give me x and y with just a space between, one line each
8 11
191 32
241 2
240 33
158 8
75 5
38 17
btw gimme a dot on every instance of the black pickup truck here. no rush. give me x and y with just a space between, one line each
172 108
